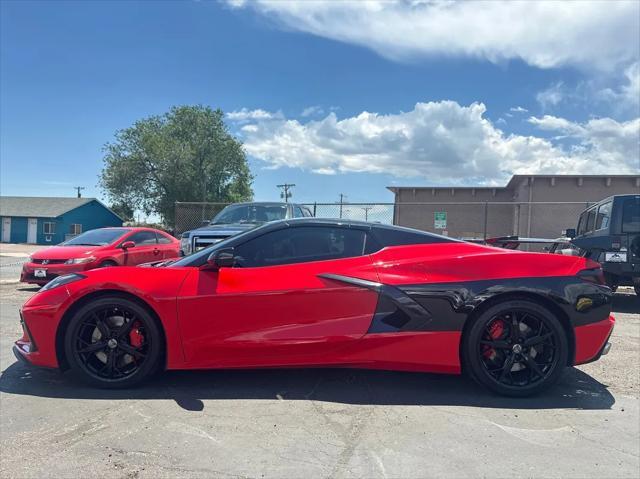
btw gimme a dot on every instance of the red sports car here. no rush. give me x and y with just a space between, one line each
97 249
310 292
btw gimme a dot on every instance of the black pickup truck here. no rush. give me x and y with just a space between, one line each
609 232
237 218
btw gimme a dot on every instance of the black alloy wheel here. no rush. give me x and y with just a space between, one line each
516 348
113 342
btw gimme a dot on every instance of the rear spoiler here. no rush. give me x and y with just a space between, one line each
512 242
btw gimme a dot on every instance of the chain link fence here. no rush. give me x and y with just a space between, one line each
456 219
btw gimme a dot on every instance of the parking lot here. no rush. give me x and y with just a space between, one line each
320 422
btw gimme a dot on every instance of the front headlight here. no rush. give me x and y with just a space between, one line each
87 259
62 280
185 245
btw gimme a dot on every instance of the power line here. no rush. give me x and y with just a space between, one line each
79 189
366 212
286 193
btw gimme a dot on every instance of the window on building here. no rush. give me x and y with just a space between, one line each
48 228
75 229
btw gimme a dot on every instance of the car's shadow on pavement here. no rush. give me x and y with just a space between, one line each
575 390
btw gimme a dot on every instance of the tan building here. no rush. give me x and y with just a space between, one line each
529 205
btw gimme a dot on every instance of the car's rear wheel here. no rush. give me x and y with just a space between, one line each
113 342
516 348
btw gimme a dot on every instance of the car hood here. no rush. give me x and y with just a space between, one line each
65 252
231 228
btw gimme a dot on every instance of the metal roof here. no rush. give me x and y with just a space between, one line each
39 206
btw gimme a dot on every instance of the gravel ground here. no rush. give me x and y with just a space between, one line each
320 423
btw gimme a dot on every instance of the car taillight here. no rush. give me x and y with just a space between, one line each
593 275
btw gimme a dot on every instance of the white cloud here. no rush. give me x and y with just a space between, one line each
518 109
442 142
622 99
245 115
312 111
552 96
592 34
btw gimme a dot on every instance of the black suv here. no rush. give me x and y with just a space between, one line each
237 218
609 232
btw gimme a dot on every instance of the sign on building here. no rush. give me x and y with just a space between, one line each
440 220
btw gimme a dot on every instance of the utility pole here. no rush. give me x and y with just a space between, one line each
342 198
366 212
79 189
286 194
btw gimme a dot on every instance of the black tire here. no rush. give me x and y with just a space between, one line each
636 288
107 264
100 348
516 361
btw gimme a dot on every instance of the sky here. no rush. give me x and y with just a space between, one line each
336 97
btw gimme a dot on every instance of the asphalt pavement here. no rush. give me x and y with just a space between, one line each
320 422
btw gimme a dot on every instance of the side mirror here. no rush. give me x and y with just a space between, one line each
205 222
223 258
570 233
128 244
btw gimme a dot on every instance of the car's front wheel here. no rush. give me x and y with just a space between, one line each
113 342
516 348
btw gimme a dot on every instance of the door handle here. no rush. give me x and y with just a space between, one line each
156 251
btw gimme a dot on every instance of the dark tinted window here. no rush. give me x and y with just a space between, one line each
300 245
582 223
162 239
143 238
404 236
99 237
631 215
604 216
591 219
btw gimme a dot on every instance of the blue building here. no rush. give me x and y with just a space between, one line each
40 220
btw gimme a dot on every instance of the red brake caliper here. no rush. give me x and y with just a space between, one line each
136 338
496 329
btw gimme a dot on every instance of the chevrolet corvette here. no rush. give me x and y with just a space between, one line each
310 292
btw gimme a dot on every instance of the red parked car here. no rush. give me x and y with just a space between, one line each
310 292
97 249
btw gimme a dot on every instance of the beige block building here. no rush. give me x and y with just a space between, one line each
529 205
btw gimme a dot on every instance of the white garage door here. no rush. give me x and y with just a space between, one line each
6 230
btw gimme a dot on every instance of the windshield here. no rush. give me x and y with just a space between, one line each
100 237
251 214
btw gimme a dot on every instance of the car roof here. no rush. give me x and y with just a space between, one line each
263 203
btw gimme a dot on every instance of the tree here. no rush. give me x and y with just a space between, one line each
187 154
123 210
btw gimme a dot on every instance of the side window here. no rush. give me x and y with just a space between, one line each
143 238
582 223
604 216
631 215
162 239
307 212
301 245
297 212
591 219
